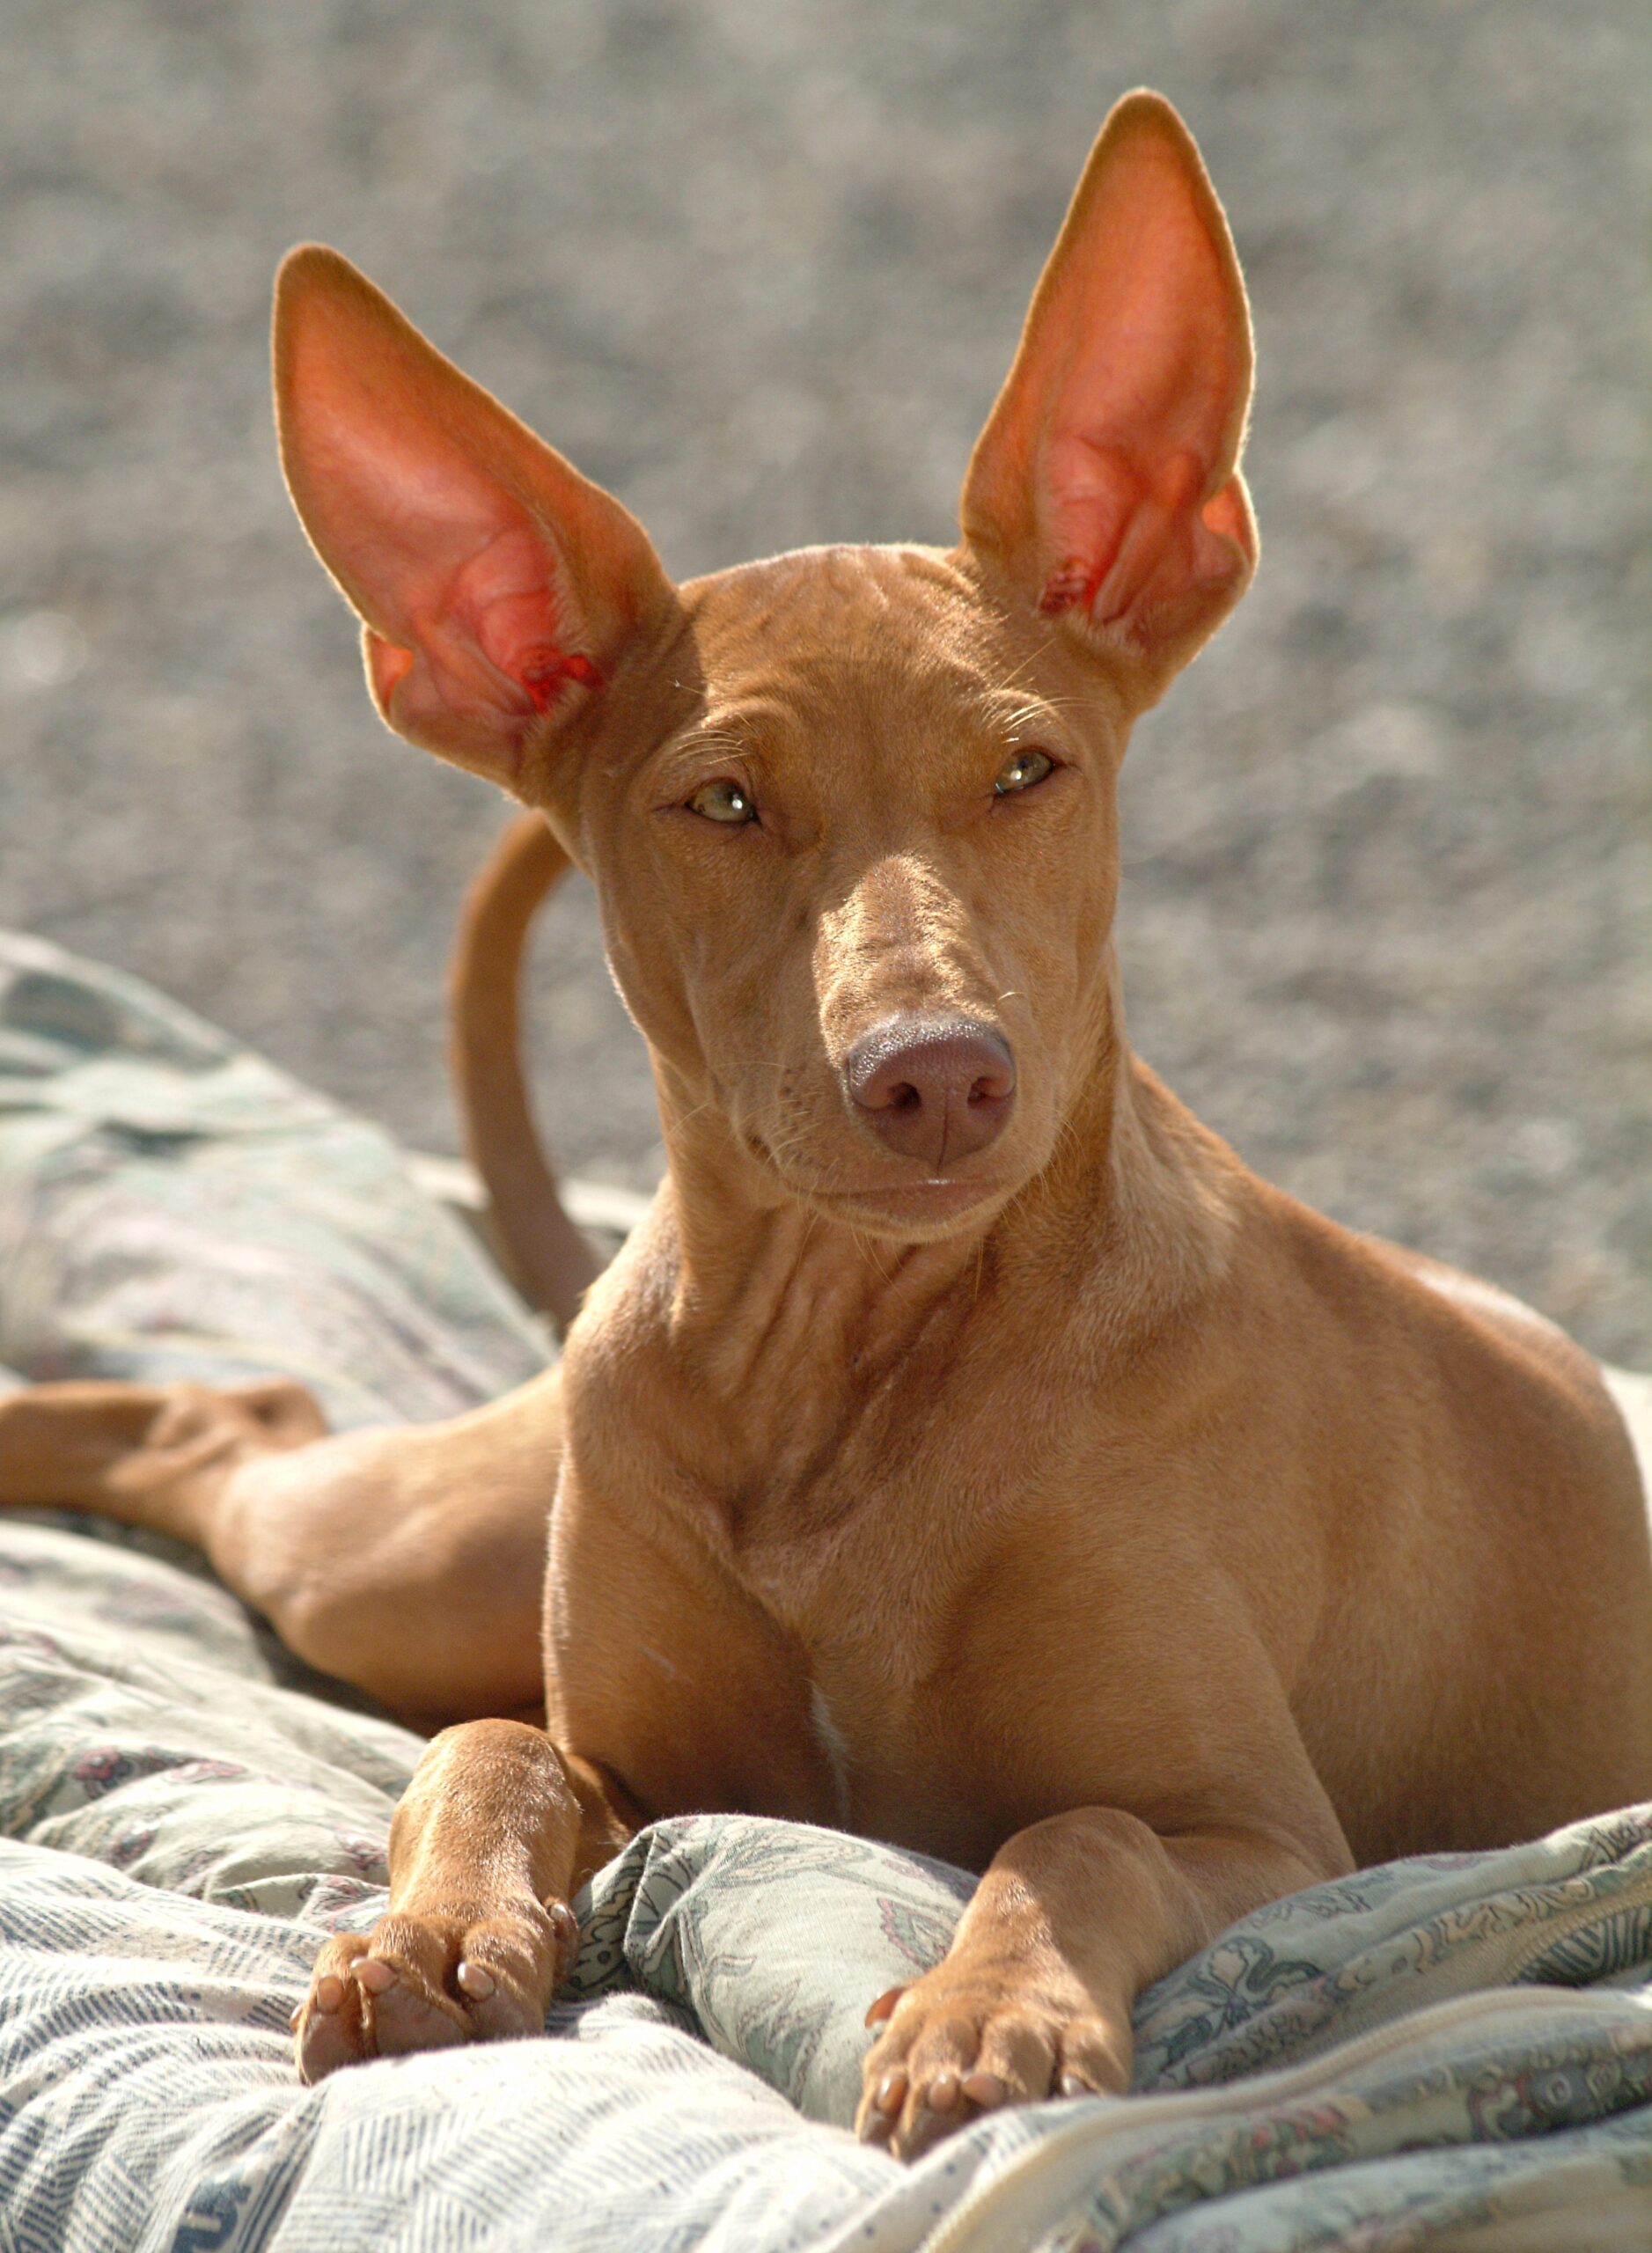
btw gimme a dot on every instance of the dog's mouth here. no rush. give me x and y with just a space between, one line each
923 1208
911 1210
930 1201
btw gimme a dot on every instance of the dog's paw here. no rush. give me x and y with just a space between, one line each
961 2041
425 1979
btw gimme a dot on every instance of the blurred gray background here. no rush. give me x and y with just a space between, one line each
758 265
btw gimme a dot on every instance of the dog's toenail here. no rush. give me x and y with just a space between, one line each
943 2091
374 1975
476 1980
1072 2086
985 2090
329 1994
296 2019
891 2093
884 2008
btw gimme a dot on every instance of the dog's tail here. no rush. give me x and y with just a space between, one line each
548 1258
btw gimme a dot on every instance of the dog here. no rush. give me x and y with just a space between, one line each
966 1449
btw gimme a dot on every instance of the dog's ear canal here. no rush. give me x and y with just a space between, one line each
497 587
1107 482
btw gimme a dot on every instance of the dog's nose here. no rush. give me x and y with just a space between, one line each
935 1088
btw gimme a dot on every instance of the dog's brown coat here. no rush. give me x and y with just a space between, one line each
1094 1516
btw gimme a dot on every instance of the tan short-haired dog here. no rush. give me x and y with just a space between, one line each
966 1449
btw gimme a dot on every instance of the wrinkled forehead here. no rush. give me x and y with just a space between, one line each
862 642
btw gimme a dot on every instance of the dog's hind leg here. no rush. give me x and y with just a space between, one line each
403 1560
156 1456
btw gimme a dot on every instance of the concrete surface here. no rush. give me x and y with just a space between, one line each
758 265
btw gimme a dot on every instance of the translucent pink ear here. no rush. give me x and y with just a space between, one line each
1106 481
497 588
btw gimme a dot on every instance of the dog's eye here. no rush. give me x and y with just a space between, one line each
724 802
1021 770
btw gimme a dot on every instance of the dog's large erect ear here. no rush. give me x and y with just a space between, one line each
497 587
1107 482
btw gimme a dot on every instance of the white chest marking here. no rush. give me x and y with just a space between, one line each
833 1743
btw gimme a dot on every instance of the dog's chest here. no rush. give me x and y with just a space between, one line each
867 1546
864 1505
860 1502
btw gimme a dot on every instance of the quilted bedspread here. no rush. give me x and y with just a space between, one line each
1454 2051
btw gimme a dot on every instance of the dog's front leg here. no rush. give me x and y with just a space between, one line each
1073 1918
495 1831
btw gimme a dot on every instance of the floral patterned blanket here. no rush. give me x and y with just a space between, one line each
1451 2053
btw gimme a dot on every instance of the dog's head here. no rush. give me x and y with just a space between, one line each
850 812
